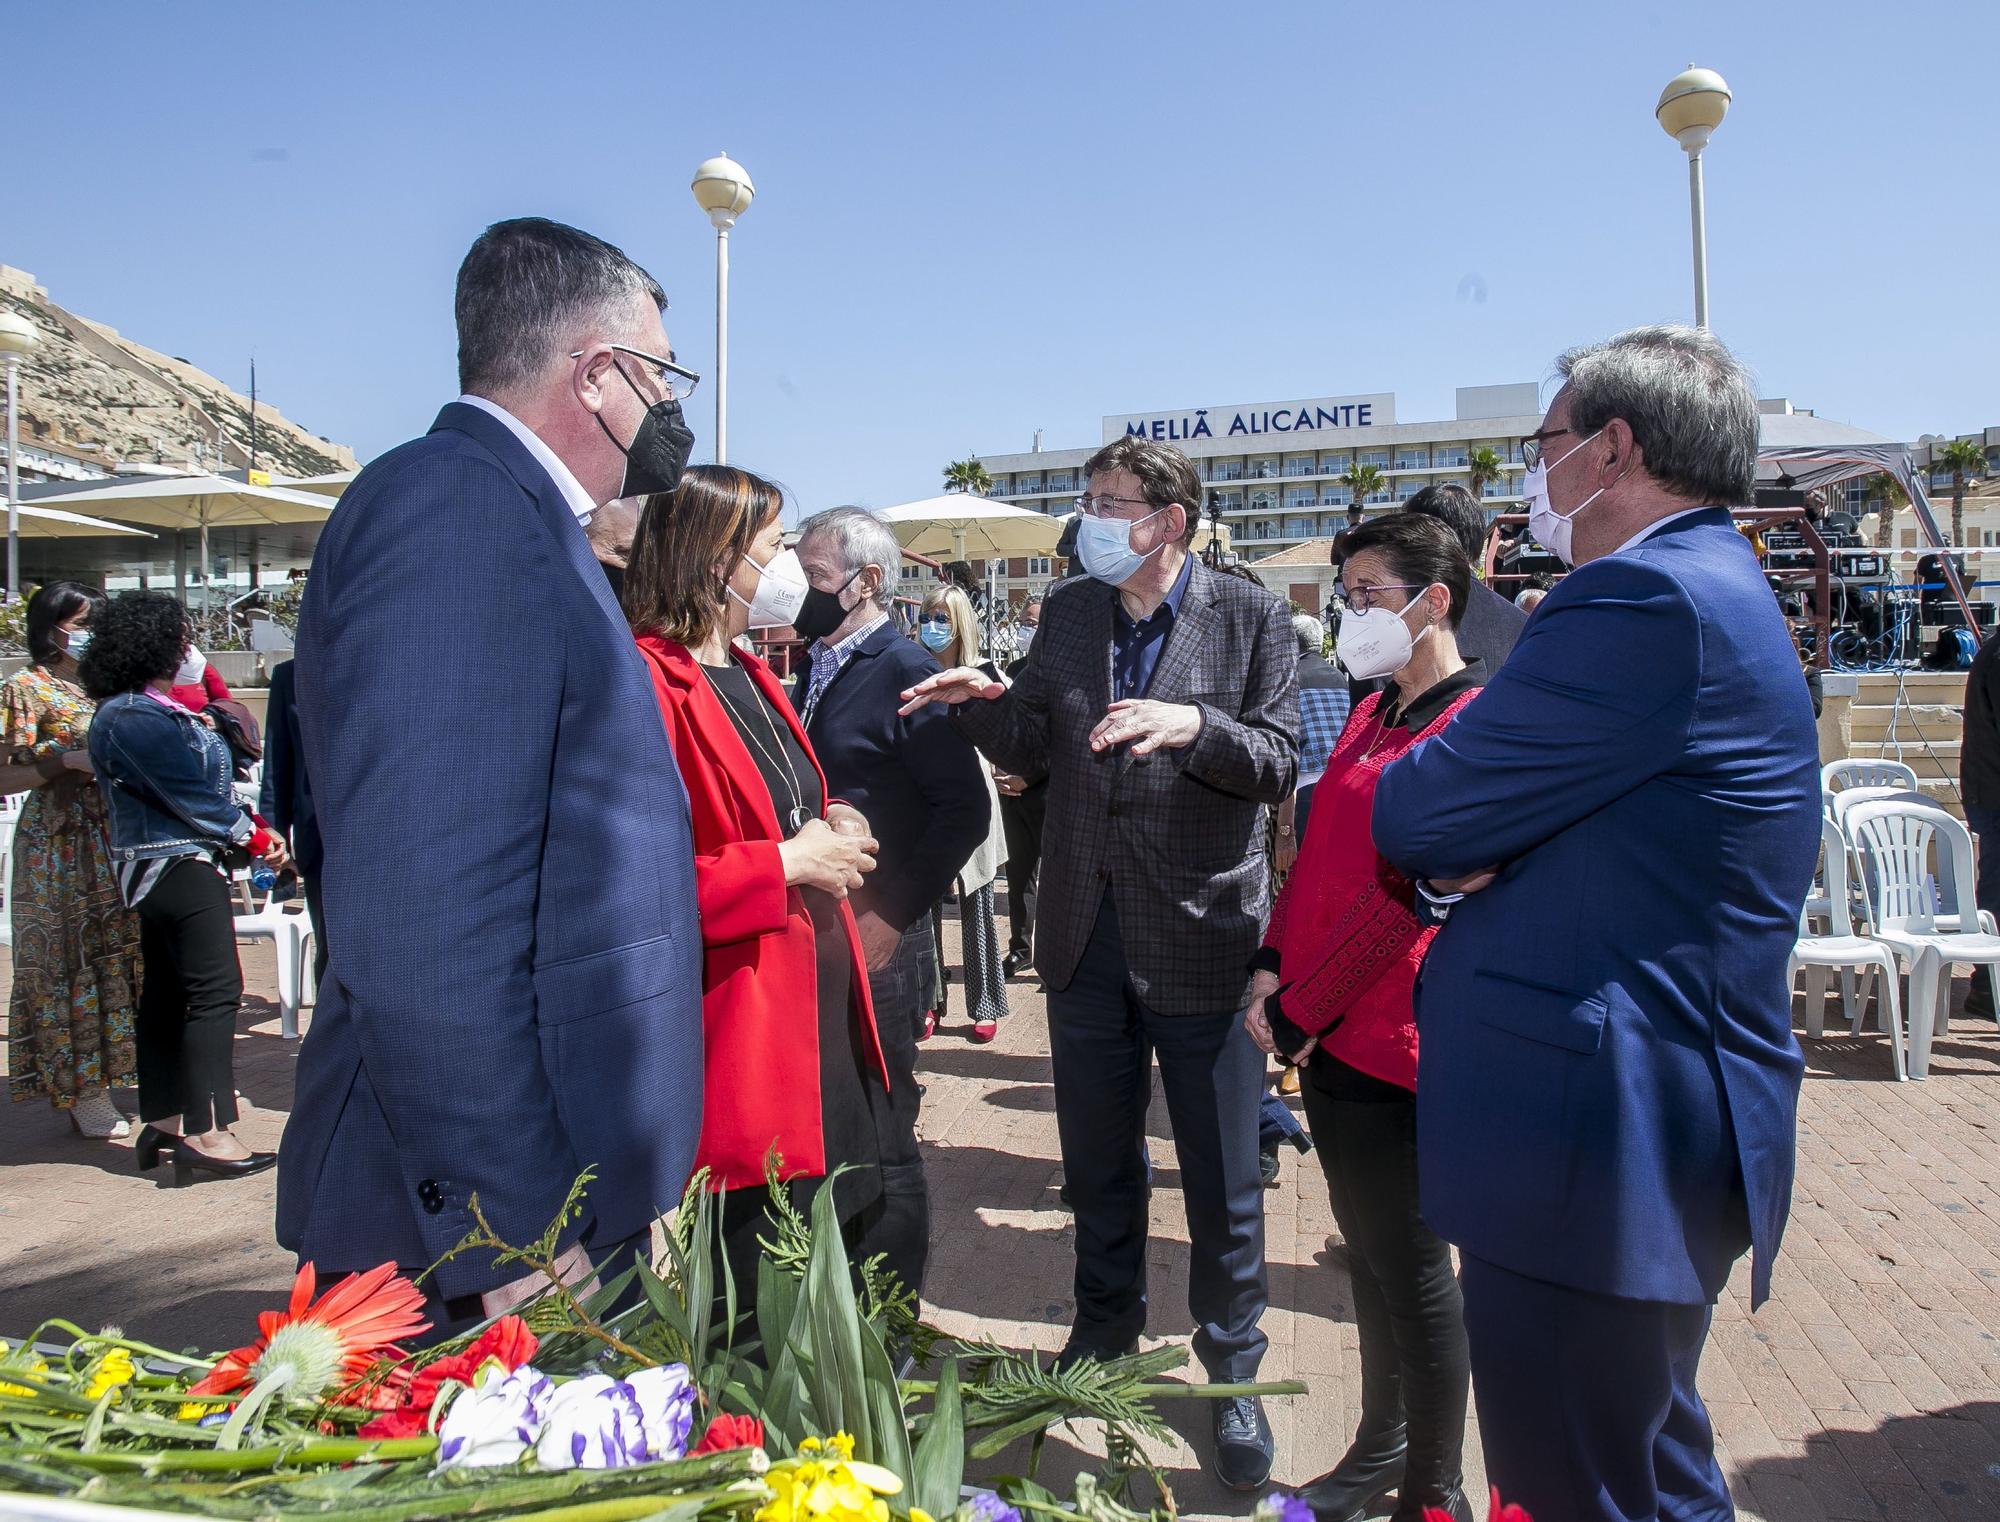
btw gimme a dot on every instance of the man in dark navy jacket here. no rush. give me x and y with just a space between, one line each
515 988
922 790
1608 1080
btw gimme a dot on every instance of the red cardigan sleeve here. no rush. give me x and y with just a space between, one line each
212 681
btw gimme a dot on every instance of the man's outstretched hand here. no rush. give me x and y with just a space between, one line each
961 684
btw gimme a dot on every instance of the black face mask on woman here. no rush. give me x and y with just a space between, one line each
659 448
822 612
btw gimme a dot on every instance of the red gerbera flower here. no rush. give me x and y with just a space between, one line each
728 1431
507 1342
354 1325
1495 1512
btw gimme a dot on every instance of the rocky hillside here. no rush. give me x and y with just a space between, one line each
88 391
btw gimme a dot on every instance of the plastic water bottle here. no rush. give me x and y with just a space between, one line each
266 878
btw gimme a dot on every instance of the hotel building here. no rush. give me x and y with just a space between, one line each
1273 469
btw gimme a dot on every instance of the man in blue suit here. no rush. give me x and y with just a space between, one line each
515 988
1608 1079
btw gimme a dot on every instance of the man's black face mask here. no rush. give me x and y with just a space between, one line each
659 448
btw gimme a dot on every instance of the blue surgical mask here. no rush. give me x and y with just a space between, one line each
77 643
1104 545
934 637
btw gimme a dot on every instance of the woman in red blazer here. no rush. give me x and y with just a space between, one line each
791 1060
1334 991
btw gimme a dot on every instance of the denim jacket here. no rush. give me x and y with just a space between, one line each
144 749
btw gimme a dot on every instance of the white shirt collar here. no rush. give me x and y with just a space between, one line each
1659 523
566 482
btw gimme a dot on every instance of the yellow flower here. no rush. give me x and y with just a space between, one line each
35 1368
833 1488
918 1514
194 1411
113 1369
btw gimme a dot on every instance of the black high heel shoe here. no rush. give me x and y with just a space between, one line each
151 1143
188 1162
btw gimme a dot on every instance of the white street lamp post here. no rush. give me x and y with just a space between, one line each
1691 108
722 188
17 337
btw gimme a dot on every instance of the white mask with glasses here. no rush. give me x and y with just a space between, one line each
1374 641
1551 528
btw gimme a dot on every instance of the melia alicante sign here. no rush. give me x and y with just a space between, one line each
1255 419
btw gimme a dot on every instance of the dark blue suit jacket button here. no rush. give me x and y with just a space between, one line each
431 1195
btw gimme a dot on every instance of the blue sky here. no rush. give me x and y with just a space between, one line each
976 220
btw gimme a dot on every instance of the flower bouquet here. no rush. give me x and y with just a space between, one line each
639 1398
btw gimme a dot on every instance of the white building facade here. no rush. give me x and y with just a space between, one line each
1274 470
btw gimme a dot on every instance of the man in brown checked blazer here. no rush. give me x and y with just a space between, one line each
1159 700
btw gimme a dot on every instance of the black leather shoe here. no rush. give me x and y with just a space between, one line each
151 1143
1014 963
1417 1501
1075 1352
1243 1445
1355 1486
1267 1166
188 1162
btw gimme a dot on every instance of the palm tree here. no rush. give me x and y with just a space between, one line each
1963 459
1362 481
1485 467
967 475
1886 493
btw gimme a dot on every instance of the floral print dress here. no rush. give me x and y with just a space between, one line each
76 945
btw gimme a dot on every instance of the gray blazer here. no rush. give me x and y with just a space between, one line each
1177 836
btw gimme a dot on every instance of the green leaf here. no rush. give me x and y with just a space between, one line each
885 1404
777 1304
937 1470
836 1381
697 1275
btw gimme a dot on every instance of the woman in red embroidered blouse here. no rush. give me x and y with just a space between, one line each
1333 990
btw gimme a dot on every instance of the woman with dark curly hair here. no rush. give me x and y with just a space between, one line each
76 945
166 778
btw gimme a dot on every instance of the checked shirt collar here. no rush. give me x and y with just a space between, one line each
827 662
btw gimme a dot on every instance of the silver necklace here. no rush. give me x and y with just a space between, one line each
798 815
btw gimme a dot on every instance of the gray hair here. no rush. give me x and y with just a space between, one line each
1311 633
529 291
865 539
1688 401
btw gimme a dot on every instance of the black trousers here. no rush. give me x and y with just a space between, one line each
898 1224
1021 822
186 1028
1415 1367
1103 1040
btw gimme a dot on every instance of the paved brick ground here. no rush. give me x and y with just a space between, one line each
1868 1389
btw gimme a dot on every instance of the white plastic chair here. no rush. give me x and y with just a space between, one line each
1852 953
290 935
1866 771
1915 855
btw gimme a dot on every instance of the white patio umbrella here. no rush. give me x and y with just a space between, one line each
961 523
332 484
197 502
54 523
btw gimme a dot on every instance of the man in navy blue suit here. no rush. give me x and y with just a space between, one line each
1608 1080
515 988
